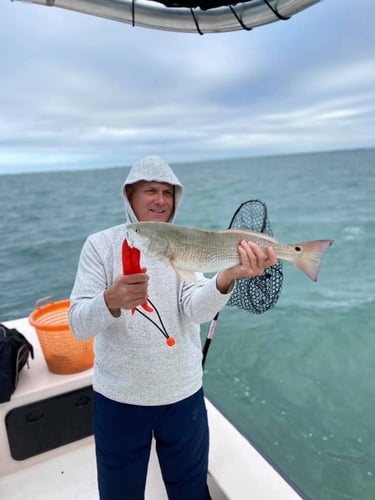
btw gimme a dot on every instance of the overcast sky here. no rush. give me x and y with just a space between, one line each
77 91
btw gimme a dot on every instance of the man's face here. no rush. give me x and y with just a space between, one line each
151 201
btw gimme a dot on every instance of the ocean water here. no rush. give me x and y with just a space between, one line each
299 380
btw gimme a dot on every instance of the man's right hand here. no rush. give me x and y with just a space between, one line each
127 292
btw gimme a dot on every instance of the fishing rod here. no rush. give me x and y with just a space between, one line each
258 294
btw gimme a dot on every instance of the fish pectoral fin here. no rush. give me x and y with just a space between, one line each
183 274
186 275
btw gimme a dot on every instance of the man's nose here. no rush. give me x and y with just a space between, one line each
160 198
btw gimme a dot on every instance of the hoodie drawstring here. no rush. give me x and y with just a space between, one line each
170 340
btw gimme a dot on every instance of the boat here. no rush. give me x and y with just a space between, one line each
48 451
175 15
46 429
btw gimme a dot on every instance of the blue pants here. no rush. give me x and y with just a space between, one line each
123 435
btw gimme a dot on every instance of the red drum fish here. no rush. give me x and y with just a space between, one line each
190 250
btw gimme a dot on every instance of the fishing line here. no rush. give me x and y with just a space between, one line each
258 294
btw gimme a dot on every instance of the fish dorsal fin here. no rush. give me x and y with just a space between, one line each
253 235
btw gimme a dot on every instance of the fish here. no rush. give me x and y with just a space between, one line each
190 250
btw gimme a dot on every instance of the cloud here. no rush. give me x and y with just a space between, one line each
78 91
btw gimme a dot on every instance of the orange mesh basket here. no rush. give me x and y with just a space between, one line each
63 352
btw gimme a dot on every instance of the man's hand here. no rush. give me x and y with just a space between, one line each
253 262
127 292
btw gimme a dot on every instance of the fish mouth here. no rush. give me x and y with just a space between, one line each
131 233
135 239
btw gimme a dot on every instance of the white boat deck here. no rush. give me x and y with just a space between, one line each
236 470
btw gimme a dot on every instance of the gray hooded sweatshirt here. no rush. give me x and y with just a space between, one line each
133 363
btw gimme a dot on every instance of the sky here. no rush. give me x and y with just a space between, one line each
78 91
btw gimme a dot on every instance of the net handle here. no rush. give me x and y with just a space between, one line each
212 328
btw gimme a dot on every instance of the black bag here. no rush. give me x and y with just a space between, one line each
14 354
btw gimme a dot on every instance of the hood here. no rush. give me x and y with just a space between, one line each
152 168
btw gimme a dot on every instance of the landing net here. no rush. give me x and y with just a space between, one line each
260 293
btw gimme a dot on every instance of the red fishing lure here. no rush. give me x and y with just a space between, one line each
131 264
131 258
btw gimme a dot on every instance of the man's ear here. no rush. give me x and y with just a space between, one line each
129 189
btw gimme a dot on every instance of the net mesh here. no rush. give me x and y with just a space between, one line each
260 293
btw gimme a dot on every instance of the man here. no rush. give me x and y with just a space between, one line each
143 388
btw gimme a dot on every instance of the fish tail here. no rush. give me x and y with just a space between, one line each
307 256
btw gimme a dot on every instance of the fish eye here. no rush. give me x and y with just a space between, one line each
298 249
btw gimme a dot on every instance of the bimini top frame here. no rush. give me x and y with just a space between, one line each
202 18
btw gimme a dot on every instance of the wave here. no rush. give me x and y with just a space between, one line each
331 300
